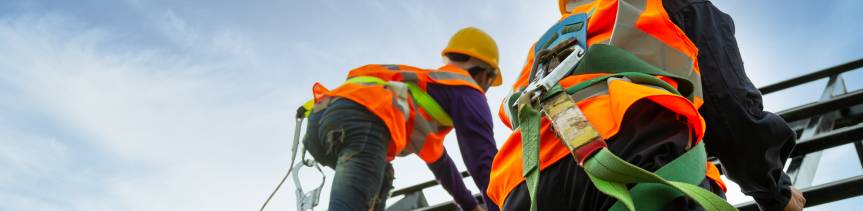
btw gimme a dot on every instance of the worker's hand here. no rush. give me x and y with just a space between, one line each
478 208
796 202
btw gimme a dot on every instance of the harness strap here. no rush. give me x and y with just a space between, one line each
688 168
636 77
529 125
420 97
602 58
610 174
511 108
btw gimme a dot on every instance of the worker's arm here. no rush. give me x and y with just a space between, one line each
450 179
752 144
471 115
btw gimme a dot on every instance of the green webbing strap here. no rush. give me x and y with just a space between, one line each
636 77
685 172
430 105
610 174
512 109
529 123
688 168
603 58
422 98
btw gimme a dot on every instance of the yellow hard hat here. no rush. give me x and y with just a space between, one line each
475 43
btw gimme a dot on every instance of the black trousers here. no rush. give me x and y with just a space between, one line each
652 137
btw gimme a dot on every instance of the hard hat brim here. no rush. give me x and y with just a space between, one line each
497 81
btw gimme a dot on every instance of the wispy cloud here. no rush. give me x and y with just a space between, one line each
165 129
162 105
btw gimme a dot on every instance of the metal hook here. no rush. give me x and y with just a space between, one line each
308 200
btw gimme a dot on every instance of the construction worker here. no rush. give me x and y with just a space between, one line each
734 112
654 125
384 111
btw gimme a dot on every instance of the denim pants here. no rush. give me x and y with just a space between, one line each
348 138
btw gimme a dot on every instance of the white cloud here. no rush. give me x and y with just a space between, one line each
201 121
197 116
184 125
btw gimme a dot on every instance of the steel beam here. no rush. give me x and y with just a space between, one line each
828 140
836 70
812 109
421 186
824 193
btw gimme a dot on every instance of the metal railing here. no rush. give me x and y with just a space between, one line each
835 120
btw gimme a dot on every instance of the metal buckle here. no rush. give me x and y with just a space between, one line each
308 200
544 83
568 121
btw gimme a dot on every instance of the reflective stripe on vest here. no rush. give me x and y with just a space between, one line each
652 36
423 120
400 99
421 125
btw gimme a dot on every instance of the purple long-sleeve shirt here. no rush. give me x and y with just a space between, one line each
472 120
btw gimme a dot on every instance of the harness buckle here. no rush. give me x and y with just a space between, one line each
544 83
308 200
557 54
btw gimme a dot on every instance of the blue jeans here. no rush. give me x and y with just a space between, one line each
348 138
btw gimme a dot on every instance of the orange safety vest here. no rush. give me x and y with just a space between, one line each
412 128
641 27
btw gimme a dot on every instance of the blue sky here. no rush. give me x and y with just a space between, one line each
187 105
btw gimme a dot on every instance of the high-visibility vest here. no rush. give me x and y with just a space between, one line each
640 27
397 94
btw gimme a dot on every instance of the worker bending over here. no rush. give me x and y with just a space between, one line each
384 111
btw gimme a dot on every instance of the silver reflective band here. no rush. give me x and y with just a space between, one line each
400 97
441 75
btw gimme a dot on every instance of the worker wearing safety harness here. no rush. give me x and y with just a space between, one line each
605 117
384 111
634 117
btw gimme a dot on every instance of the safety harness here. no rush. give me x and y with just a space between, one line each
608 172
